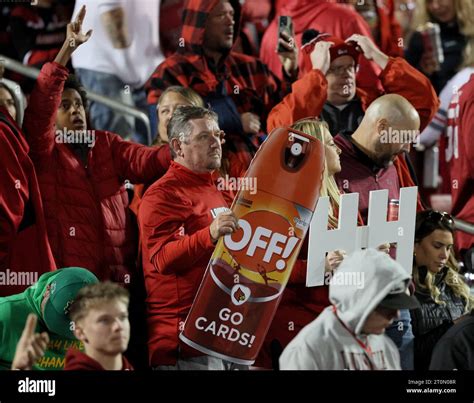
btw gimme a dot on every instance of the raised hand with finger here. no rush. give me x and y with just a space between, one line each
74 38
31 346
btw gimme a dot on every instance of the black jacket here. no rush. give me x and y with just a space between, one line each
432 320
453 42
455 350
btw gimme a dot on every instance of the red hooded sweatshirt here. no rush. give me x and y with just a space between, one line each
247 81
462 164
79 361
86 204
326 17
24 246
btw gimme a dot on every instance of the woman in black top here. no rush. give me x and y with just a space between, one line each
443 295
456 21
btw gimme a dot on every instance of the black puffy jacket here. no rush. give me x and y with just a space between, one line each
432 320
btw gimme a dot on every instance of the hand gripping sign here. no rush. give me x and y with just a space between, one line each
349 237
249 269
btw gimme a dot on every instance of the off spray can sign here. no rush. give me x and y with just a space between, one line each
243 283
249 269
260 255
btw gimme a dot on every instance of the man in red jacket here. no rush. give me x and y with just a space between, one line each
81 173
25 253
181 217
460 139
100 316
331 90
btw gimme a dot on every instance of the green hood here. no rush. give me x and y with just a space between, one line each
62 286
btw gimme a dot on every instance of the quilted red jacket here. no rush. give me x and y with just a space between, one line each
86 206
24 248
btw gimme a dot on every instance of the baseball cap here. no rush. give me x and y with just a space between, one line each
62 291
397 298
339 49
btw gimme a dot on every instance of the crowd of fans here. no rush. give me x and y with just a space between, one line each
123 263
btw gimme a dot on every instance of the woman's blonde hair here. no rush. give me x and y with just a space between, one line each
464 15
425 225
319 129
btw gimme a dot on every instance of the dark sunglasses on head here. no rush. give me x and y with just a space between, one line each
438 216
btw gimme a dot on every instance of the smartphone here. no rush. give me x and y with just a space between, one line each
285 24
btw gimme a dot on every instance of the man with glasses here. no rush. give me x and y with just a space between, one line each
181 217
330 90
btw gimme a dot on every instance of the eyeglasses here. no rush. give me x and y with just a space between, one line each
339 71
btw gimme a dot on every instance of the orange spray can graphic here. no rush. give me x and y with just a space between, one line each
249 269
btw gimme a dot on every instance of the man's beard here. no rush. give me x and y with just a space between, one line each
384 161
382 158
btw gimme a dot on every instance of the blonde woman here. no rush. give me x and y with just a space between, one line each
171 98
443 295
456 21
301 305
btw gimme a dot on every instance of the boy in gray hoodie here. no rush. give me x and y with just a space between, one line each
367 292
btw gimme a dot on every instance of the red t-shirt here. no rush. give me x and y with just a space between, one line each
79 361
460 142
174 218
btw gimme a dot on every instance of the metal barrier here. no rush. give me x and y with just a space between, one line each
33 73
464 226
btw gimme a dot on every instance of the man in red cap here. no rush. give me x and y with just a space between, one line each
330 89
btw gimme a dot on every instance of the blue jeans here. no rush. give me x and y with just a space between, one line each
104 118
400 331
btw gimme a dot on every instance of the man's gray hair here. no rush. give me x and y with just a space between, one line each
179 126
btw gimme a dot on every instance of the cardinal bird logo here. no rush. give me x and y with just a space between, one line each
239 294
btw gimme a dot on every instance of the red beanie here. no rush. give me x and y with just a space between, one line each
340 48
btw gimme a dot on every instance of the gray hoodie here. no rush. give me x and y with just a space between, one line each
360 283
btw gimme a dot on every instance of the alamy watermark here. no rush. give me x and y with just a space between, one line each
396 136
84 136
236 184
352 279
25 278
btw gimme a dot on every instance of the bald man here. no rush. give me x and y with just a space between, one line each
373 159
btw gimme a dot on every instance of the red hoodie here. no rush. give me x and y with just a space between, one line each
79 361
24 246
174 218
324 16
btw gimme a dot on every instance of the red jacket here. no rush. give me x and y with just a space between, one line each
324 16
462 163
174 218
79 361
309 94
24 243
391 36
246 79
86 206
